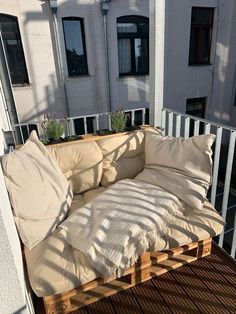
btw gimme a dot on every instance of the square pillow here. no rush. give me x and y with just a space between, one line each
180 166
39 193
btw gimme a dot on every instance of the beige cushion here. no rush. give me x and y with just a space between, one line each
55 267
195 226
92 194
81 163
181 166
39 192
122 156
77 202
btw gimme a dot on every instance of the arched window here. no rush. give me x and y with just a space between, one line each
133 45
75 46
13 48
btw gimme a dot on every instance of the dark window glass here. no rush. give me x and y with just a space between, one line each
13 48
75 46
196 107
133 45
200 36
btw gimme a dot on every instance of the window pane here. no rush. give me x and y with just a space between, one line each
201 16
124 53
126 27
143 28
141 55
75 52
14 50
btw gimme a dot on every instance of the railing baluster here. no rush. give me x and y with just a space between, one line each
143 116
216 165
85 125
163 122
109 121
186 127
170 124
72 126
132 117
233 248
97 122
196 127
178 125
227 180
207 128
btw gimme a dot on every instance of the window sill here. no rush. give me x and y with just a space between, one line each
78 76
21 86
199 64
133 76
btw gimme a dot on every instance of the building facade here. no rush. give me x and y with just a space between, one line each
66 63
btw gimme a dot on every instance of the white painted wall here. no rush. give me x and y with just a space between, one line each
12 291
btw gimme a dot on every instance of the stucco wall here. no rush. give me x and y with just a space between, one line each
215 81
42 94
12 293
88 94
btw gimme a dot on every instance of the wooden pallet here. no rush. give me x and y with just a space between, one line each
149 265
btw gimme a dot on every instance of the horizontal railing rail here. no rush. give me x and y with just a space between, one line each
178 124
97 122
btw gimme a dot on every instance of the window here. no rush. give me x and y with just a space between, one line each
75 46
196 107
201 34
13 48
133 45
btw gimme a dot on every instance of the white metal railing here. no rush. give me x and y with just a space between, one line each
100 121
178 124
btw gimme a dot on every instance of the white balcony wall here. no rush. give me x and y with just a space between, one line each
11 265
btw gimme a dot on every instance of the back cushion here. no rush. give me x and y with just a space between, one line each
39 192
81 163
181 166
122 156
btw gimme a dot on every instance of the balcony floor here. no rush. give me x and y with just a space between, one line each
207 285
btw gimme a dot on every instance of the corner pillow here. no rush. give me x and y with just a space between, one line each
122 156
81 163
180 166
39 192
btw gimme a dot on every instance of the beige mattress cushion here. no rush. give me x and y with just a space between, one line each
81 163
195 226
39 192
55 267
122 156
180 166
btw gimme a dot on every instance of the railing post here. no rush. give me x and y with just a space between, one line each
157 59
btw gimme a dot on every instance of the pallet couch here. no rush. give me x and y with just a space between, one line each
47 185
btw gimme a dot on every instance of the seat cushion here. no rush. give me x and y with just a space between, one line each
39 192
122 156
180 166
195 226
81 163
55 267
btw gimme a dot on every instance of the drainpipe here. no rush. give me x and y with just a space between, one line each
105 6
53 7
11 110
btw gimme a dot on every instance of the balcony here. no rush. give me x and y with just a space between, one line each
206 285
